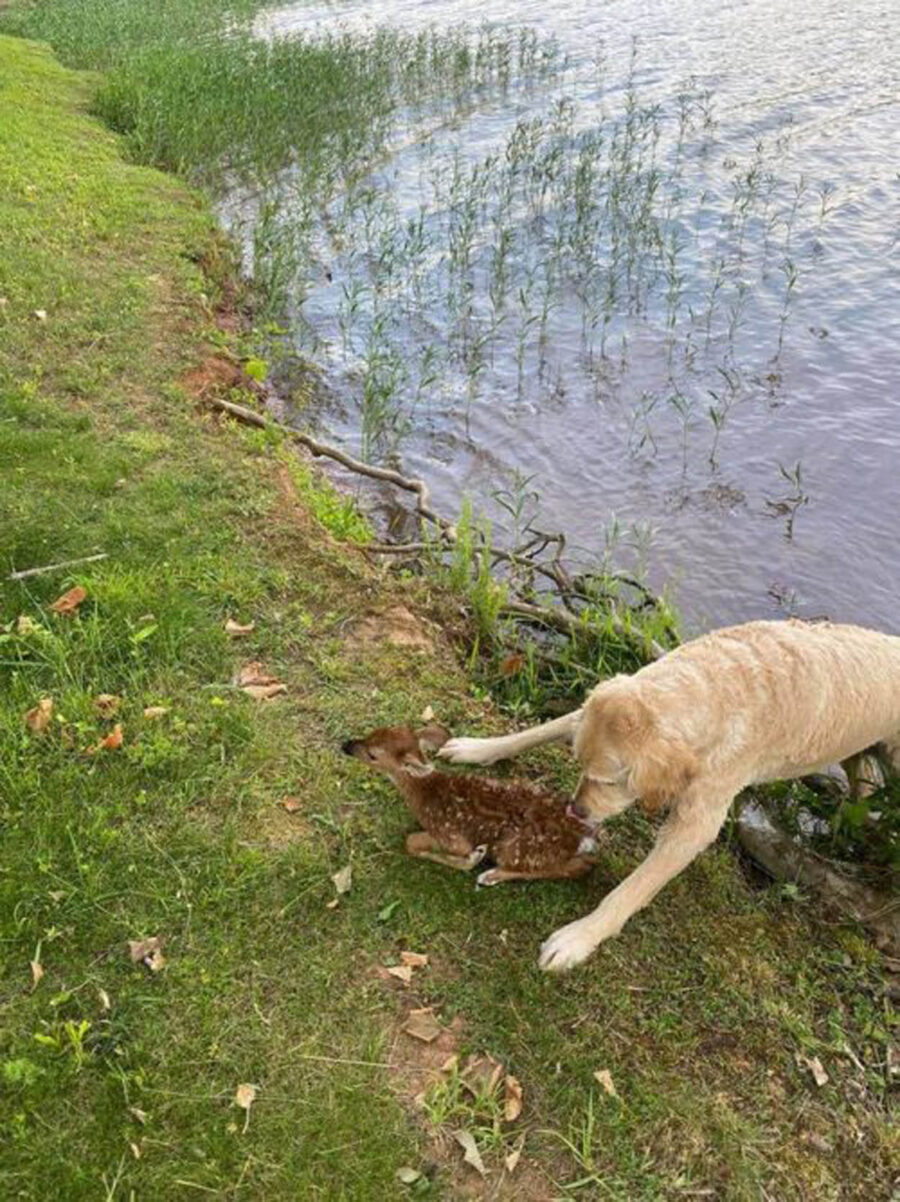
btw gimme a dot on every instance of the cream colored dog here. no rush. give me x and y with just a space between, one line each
760 702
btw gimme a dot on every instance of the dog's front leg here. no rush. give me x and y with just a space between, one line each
683 836
488 751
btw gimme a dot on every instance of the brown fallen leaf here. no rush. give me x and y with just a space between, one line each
254 679
112 742
37 971
244 1097
254 675
512 664
343 880
291 804
236 630
427 714
135 1149
814 1064
403 972
263 692
451 1063
604 1076
423 1025
414 959
407 1175
471 1155
105 1003
106 704
140 1115
512 1159
38 719
147 952
481 1075
152 712
512 1099
68 603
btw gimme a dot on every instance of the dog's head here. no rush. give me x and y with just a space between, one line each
626 755
395 749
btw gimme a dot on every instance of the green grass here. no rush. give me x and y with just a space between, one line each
698 1010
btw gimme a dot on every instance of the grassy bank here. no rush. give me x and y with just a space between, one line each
117 1082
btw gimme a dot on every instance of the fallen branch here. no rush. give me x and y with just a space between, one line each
55 567
322 450
568 623
559 619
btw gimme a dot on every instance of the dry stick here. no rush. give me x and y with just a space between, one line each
54 567
407 483
567 623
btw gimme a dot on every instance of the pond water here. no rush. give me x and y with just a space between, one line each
655 283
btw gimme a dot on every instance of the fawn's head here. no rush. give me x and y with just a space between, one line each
398 749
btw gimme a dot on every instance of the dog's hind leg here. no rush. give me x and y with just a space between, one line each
488 751
681 838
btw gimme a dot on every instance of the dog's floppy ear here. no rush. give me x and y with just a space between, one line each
432 737
662 771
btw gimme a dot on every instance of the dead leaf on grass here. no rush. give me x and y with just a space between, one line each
147 952
37 971
604 1076
814 1064
258 683
40 314
512 664
112 742
38 719
512 1159
471 1155
236 630
152 712
135 1150
407 1175
423 1025
140 1115
105 1003
402 972
343 880
68 603
427 714
414 959
512 1099
244 1097
482 1075
291 804
106 704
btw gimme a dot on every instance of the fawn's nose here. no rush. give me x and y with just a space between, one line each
348 747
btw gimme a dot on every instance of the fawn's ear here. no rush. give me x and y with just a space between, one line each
432 737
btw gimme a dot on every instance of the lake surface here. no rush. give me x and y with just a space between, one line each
657 285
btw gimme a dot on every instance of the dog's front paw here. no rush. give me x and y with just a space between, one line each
568 946
468 751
